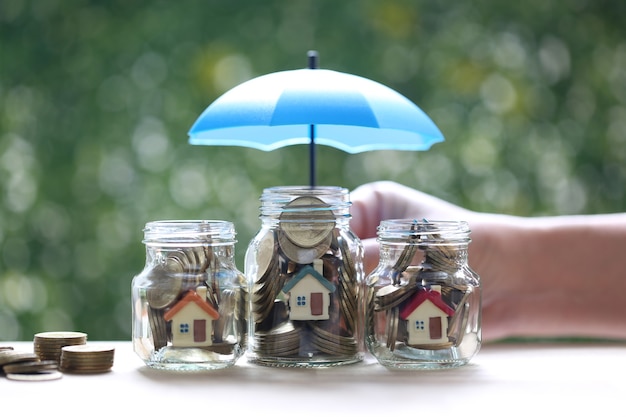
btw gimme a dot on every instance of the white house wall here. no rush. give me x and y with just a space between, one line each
306 287
188 314
424 312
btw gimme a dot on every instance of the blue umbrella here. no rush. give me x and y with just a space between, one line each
315 106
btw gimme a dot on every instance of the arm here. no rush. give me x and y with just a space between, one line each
559 276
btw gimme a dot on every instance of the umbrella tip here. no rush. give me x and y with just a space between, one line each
313 59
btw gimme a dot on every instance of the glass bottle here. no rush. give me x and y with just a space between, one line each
423 303
189 304
305 279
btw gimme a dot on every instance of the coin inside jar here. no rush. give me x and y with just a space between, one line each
266 254
303 255
307 221
165 285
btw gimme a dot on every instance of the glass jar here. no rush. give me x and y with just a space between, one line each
305 279
189 303
423 304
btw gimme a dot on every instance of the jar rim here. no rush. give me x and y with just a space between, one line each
189 231
419 231
276 200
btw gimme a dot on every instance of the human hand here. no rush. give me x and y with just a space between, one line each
383 200
377 201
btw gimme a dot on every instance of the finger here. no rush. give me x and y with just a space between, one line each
377 201
365 210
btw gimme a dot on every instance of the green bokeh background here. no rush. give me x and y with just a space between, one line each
96 98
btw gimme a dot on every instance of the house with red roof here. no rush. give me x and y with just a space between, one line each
309 293
192 319
426 315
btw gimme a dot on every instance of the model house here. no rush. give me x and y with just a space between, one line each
192 320
427 316
309 293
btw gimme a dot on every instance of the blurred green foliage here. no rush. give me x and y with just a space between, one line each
96 98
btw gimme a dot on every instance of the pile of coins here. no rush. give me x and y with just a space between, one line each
26 366
306 234
439 263
53 354
47 345
83 359
186 269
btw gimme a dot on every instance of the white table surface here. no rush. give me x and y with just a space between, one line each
503 379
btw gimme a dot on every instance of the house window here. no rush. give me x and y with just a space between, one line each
183 328
301 300
419 325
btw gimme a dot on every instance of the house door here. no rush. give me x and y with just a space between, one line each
199 330
434 327
317 304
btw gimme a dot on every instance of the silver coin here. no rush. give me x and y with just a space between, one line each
13 356
265 253
40 376
164 287
158 328
30 367
300 254
391 296
392 327
307 221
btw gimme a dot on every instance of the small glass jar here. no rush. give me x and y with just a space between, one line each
423 303
189 304
305 279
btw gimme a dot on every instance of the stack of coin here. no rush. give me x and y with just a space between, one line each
26 366
47 345
86 359
331 343
158 327
283 340
348 288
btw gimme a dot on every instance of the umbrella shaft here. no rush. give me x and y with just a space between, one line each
312 156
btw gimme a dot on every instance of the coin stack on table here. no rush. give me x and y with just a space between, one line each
47 345
53 354
86 358
26 366
305 285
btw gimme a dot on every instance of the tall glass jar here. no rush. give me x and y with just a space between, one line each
423 300
189 303
305 279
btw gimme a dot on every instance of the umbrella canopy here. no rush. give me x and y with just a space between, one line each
308 106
